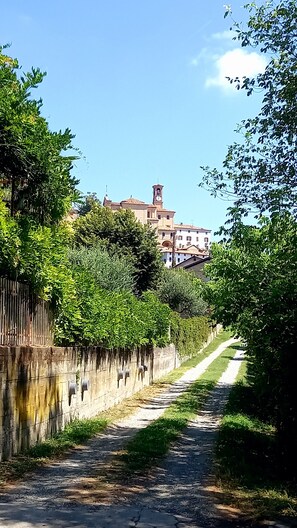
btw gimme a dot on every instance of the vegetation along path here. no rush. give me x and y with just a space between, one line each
69 492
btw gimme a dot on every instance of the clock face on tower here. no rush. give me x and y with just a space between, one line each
157 195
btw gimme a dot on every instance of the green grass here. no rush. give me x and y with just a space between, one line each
75 433
194 361
153 442
247 462
79 431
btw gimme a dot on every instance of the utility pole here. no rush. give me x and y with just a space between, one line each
173 250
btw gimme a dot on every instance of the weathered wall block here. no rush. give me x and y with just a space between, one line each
34 387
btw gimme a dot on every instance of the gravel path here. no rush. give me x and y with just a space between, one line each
47 498
182 485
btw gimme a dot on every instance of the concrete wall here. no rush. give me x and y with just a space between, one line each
34 387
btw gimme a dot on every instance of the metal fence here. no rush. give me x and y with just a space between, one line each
25 319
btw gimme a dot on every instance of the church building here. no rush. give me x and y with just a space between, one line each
177 241
154 214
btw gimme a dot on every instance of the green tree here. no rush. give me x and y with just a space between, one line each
110 272
86 202
253 272
36 191
35 172
260 172
121 232
183 292
253 289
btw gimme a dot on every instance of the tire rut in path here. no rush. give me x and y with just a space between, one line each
183 484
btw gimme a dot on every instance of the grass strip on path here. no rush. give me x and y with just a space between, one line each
247 464
154 441
79 431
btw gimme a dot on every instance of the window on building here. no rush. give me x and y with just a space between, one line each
205 239
178 260
163 234
179 237
197 239
189 231
189 238
165 260
148 214
168 217
180 245
159 217
169 259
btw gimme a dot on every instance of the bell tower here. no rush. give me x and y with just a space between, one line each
158 195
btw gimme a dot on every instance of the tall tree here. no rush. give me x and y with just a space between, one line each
254 271
120 231
253 289
35 172
36 188
260 172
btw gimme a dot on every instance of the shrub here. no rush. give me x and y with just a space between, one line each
112 319
189 335
110 272
182 291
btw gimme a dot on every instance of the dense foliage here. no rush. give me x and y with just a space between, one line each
34 254
34 169
183 292
110 272
260 173
36 188
189 335
86 202
120 231
254 272
112 319
254 289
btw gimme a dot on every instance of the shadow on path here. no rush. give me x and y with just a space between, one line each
179 493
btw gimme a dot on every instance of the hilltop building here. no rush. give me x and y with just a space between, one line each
178 242
188 235
178 256
154 214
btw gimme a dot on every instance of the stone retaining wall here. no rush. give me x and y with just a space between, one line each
42 389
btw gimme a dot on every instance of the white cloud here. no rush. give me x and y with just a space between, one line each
223 38
224 35
235 63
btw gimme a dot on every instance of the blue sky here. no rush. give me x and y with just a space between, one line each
141 83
